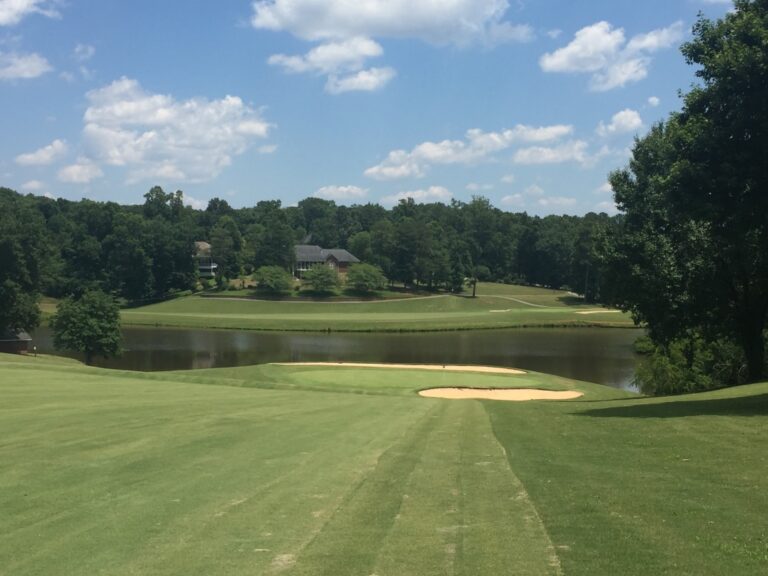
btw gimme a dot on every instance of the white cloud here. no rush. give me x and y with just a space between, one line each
534 190
572 151
156 136
13 11
554 33
556 202
341 192
654 101
331 57
84 52
626 120
457 22
508 178
513 201
475 187
431 194
44 156
477 146
607 206
82 172
604 188
267 149
49 196
194 202
32 186
365 80
603 52
14 66
342 62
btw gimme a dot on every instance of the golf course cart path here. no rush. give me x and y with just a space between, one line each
442 367
505 394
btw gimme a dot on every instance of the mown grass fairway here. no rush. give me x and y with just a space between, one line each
324 470
497 306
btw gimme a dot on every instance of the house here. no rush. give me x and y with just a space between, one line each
12 342
308 256
206 267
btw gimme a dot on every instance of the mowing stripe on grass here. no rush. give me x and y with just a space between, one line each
425 509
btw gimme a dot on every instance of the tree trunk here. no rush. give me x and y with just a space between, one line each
474 288
753 342
88 358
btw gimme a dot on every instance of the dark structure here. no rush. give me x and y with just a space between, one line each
14 342
308 256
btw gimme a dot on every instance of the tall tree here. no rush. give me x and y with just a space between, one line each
696 195
89 325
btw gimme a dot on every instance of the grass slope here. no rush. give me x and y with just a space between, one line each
497 306
325 470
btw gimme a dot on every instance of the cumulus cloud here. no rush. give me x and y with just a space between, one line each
341 192
626 120
607 206
421 196
156 136
508 179
44 156
556 202
513 201
32 186
475 187
475 147
82 172
365 80
14 66
604 188
604 52
346 30
84 52
267 149
194 203
13 11
435 21
654 101
572 151
342 62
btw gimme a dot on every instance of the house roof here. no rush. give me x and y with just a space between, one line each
310 253
202 248
11 336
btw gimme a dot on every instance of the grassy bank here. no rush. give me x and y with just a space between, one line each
332 470
497 306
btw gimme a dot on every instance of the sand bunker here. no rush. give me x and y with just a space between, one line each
445 367
599 312
508 394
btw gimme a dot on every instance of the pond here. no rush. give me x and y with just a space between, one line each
599 355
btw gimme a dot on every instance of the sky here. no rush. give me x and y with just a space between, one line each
529 103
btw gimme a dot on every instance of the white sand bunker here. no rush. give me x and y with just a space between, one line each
445 367
599 312
508 394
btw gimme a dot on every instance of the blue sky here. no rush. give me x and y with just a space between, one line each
530 103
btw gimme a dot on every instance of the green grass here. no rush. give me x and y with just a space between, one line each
328 470
497 306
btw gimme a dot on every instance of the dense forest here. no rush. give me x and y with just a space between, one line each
145 252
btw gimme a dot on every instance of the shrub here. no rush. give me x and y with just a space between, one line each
273 279
366 278
321 278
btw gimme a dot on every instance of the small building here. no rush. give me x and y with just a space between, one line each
14 342
206 267
308 256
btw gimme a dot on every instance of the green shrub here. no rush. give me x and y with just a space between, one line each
321 278
273 279
366 278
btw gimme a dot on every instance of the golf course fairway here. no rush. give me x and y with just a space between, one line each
325 470
496 306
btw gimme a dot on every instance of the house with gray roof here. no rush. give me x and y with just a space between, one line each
307 256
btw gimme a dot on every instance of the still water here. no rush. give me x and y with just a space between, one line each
599 355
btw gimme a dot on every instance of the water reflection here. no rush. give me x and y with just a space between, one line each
594 354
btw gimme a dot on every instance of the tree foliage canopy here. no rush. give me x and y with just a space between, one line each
89 325
691 255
